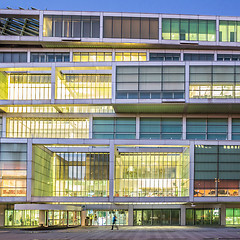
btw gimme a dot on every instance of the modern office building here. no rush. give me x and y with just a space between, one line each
128 113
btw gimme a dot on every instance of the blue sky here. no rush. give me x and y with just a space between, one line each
208 7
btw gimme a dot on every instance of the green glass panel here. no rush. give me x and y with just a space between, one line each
229 175
171 136
149 136
229 216
193 35
184 25
196 122
230 167
217 136
174 29
229 158
205 175
205 166
166 29
196 129
206 157
211 30
202 30
231 31
206 149
196 136
236 214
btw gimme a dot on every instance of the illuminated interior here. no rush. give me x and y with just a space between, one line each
130 56
92 57
47 128
84 86
152 174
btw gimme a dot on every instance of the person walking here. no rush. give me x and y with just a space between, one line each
114 222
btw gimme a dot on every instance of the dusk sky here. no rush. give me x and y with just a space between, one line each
208 7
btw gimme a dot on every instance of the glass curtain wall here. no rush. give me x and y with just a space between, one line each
21 218
50 57
12 57
207 129
217 171
206 216
130 56
130 27
3 86
81 174
236 129
92 57
114 128
42 172
188 29
229 31
152 174
47 128
148 82
13 169
232 216
160 128
59 218
105 218
156 217
214 82
83 86
71 26
29 87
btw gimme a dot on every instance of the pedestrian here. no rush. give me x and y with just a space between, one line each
114 222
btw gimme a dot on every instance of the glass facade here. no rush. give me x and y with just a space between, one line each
232 216
160 128
206 216
198 57
28 87
207 129
92 56
217 171
114 128
19 218
13 169
150 82
236 129
130 56
158 57
60 218
84 86
13 57
105 218
214 82
50 57
156 217
47 128
152 174
70 174
228 57
130 27
188 29
71 26
229 31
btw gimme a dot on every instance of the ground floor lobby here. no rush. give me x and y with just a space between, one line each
19 215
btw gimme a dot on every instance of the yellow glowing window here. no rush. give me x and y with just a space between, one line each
27 87
47 128
130 56
91 86
92 57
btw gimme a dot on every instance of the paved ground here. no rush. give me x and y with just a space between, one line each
132 233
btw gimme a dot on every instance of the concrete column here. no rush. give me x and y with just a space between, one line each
53 80
187 82
90 126
83 217
229 128
42 218
4 126
223 215
111 171
183 215
137 127
130 215
184 128
2 209
191 172
29 170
